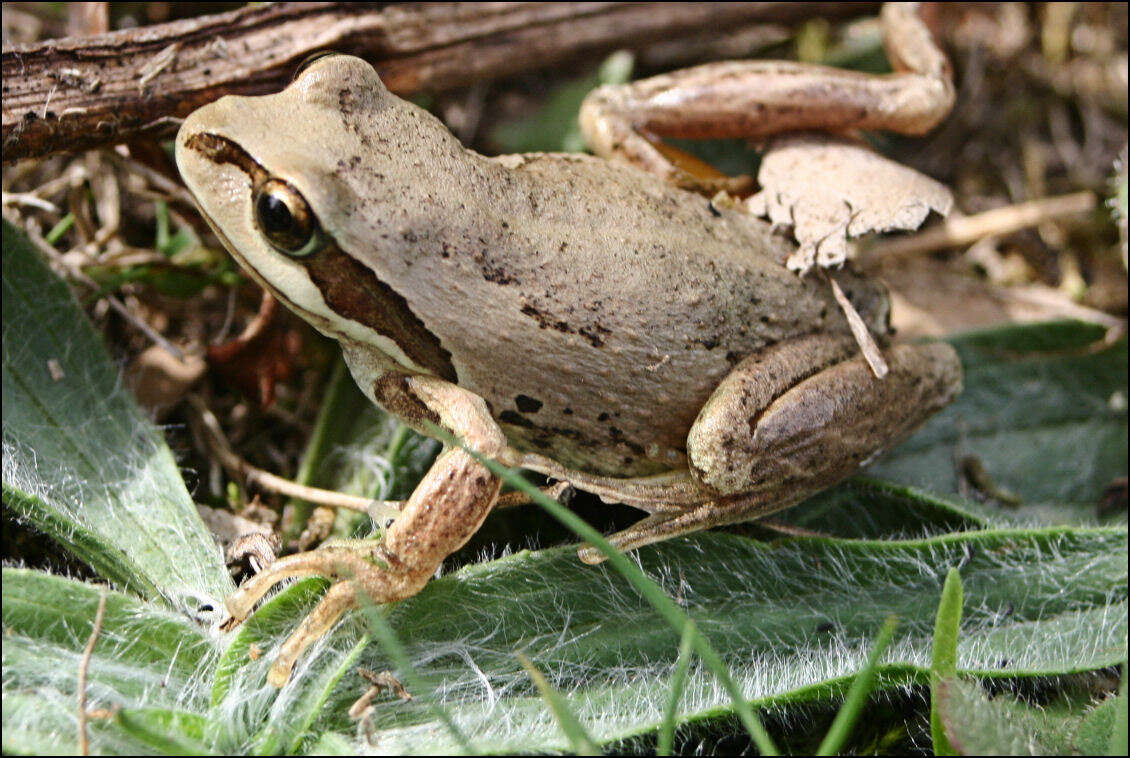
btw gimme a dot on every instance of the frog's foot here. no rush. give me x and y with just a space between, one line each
832 188
665 525
346 565
445 509
757 99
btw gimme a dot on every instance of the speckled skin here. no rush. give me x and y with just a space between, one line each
615 303
554 312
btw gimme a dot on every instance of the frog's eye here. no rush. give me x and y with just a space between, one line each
286 220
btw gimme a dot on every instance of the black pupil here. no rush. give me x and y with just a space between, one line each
274 214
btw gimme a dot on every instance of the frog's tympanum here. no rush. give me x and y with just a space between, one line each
581 318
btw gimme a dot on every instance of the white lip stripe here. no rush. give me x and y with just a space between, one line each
285 277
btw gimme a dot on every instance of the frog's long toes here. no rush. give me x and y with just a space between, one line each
563 492
279 675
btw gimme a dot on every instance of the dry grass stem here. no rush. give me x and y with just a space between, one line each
219 446
965 230
860 331
83 743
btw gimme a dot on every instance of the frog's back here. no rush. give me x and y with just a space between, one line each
594 307
608 306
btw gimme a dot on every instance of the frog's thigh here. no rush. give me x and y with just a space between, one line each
775 437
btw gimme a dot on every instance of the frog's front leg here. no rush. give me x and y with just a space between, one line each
794 419
443 512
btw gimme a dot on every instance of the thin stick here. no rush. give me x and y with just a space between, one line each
859 330
1043 296
965 230
379 510
83 744
29 199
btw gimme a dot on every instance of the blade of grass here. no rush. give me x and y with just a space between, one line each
1118 733
857 694
162 736
580 740
651 592
61 228
317 447
678 682
944 663
395 650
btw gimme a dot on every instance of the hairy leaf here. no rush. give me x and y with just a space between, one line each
144 657
1043 414
81 461
793 620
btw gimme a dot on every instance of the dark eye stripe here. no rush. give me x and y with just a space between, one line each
349 287
221 150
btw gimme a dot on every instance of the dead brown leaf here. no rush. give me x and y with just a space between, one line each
832 188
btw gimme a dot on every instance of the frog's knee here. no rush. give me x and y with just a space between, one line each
821 428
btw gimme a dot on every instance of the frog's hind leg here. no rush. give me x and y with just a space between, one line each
794 419
672 491
665 525
759 98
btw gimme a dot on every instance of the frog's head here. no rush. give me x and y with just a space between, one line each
307 187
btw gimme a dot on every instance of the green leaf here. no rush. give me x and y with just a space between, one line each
977 724
793 621
865 508
1043 411
82 463
943 665
579 740
860 688
166 731
145 657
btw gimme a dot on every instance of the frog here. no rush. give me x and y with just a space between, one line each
579 316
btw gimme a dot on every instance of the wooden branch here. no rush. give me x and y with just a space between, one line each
77 93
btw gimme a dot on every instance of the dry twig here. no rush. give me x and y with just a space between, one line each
83 743
965 230
82 92
218 445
